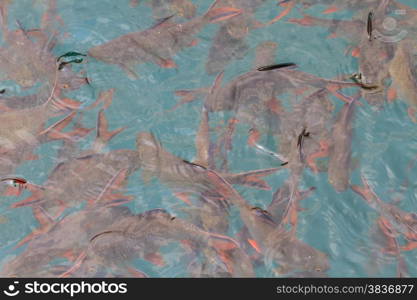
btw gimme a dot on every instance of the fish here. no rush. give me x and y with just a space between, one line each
281 198
374 60
402 222
184 176
229 42
96 175
315 113
340 149
141 236
24 131
66 238
271 239
391 224
404 77
27 56
159 43
253 95
165 8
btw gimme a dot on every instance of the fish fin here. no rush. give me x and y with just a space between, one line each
288 7
323 152
226 258
409 246
194 43
412 114
332 36
255 245
189 96
132 75
133 3
70 255
202 140
43 218
167 64
105 97
252 178
391 94
31 156
356 52
214 15
183 197
115 183
54 132
118 199
45 222
365 191
76 265
12 191
155 258
35 198
217 82
254 137
103 133
55 104
331 9
162 22
136 273
222 242
31 236
70 103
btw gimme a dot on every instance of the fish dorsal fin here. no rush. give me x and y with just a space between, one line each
103 133
217 82
202 142
162 22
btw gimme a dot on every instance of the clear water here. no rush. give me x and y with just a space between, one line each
339 224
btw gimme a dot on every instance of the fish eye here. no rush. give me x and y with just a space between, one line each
173 218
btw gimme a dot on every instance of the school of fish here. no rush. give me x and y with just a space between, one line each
86 224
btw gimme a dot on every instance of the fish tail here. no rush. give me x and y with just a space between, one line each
288 7
365 192
34 199
103 134
80 259
54 132
187 96
45 222
214 15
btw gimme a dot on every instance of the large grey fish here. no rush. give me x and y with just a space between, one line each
185 176
95 176
159 43
272 240
229 43
141 236
66 238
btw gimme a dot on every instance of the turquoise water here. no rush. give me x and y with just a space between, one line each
338 224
